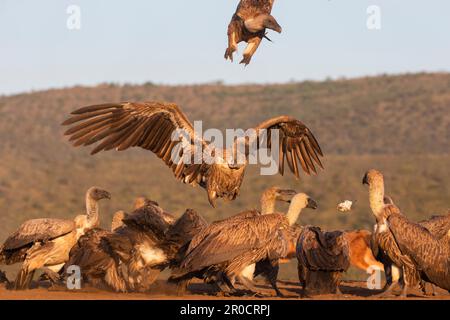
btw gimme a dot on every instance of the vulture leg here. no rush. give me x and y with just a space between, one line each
3 278
388 291
269 269
232 45
36 259
252 46
182 287
51 275
225 289
404 293
23 279
248 284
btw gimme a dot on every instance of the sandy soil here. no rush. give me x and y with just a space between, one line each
162 290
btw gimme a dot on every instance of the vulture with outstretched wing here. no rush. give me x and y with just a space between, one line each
249 24
165 130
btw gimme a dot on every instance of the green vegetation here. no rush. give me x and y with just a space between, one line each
398 124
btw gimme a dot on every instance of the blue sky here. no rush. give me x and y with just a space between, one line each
182 41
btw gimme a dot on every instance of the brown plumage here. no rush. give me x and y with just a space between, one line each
226 249
431 255
391 254
152 125
254 239
249 24
322 258
438 226
42 243
98 263
131 257
266 268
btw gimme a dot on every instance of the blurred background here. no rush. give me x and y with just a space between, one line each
373 98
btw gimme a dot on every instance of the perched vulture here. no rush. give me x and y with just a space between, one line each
46 243
249 24
226 249
431 255
165 130
322 258
267 268
99 265
389 251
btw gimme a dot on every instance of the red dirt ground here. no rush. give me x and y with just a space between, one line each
352 290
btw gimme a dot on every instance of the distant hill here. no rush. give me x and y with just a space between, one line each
399 124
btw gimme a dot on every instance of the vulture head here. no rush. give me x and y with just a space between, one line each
224 181
305 201
96 193
373 177
261 22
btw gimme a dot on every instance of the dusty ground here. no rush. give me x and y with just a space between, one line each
161 290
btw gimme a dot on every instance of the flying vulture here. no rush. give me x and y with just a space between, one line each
249 24
165 130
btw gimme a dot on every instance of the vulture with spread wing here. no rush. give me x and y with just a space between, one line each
165 130
249 24
223 251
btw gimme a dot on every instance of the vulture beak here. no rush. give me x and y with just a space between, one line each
106 195
278 28
365 179
312 204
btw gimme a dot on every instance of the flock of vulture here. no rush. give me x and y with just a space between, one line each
227 254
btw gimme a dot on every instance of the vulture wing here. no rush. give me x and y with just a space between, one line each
149 125
38 230
237 237
149 219
430 254
187 226
181 233
323 251
297 144
437 225
217 225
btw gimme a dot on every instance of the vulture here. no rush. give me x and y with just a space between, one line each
398 264
430 254
267 268
322 258
40 243
385 248
227 250
249 24
165 130
99 265
130 257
